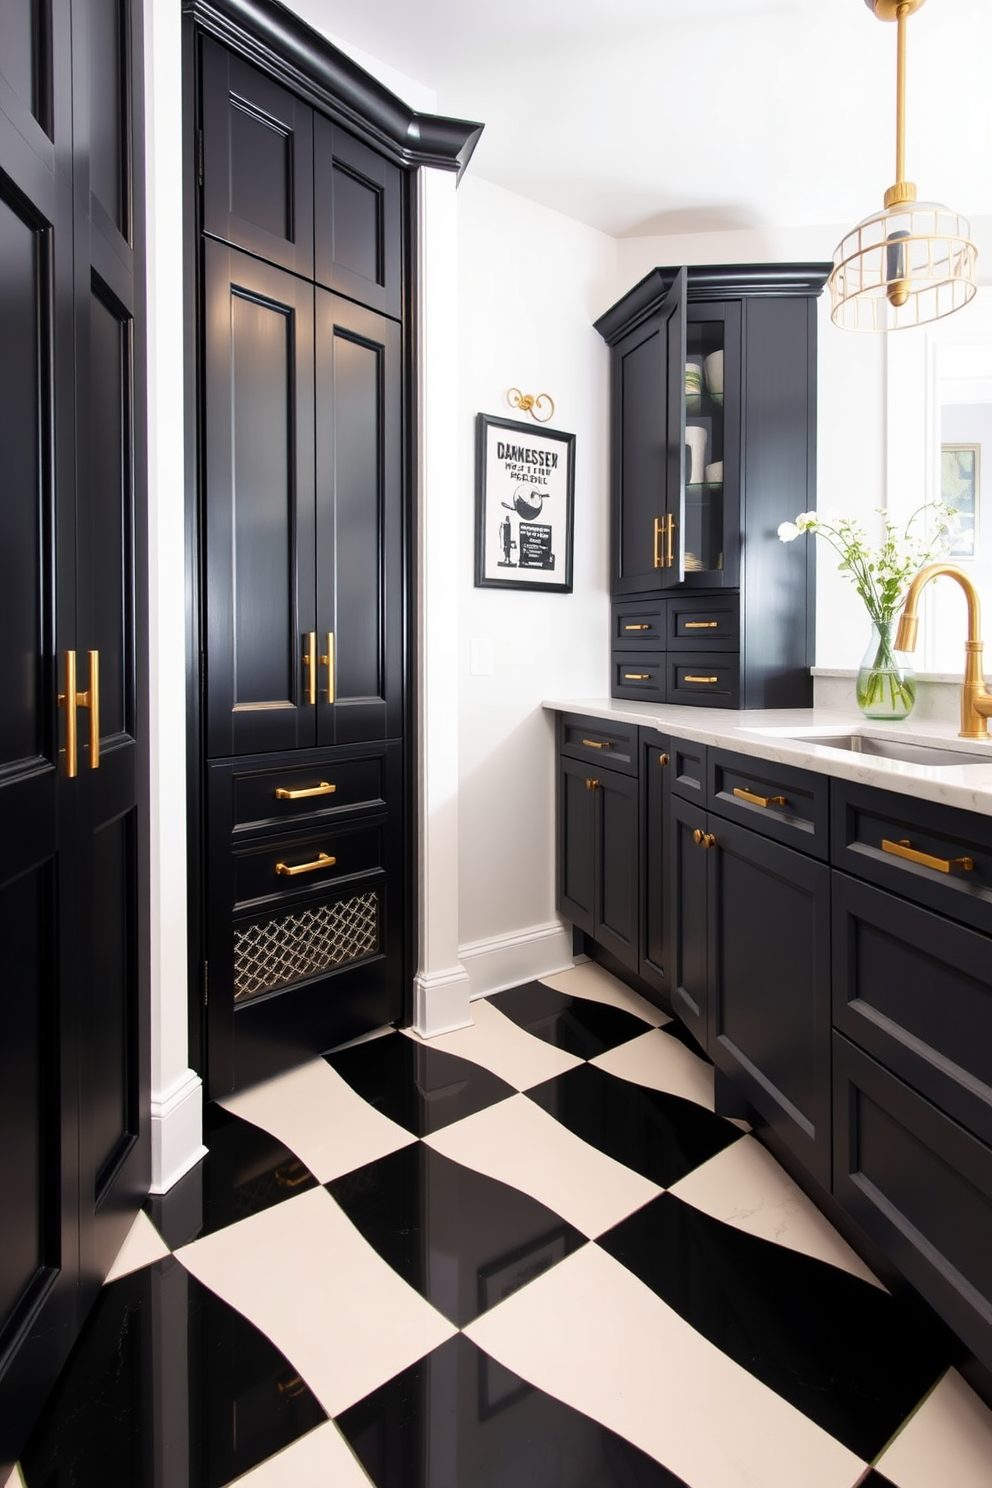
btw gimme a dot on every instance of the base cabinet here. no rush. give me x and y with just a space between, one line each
598 832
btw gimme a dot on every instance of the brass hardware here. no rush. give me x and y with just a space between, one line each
976 700
321 861
292 1387
703 839
659 561
637 627
670 541
701 624
597 744
328 661
903 849
323 789
530 403
70 700
91 700
746 795
310 662
299 1173
663 759
637 676
700 679
592 784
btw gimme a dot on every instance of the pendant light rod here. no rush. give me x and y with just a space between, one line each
901 16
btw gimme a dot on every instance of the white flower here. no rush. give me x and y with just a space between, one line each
806 521
788 532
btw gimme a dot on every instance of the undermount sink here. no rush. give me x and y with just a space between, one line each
897 749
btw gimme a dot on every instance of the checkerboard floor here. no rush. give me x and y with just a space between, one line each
524 1255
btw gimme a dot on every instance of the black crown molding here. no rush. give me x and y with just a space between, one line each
273 37
710 282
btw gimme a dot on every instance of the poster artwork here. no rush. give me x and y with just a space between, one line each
525 505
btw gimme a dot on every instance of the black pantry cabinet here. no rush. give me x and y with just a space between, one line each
300 228
713 431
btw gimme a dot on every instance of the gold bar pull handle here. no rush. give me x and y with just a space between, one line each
638 627
904 849
700 679
328 660
597 743
637 676
670 540
756 800
322 860
310 662
701 624
68 700
323 789
91 700
659 561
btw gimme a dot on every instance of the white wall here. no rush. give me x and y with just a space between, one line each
531 283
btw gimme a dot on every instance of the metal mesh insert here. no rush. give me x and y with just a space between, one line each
277 952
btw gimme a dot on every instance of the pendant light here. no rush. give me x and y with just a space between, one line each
912 262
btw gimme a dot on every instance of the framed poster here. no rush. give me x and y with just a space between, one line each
959 488
525 480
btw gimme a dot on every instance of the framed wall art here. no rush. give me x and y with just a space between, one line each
525 490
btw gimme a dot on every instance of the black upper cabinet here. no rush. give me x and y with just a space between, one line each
359 241
713 415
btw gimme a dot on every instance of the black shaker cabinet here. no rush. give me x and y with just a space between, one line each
713 429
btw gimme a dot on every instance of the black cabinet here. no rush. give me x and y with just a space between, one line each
713 417
655 920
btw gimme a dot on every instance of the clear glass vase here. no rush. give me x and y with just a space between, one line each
886 686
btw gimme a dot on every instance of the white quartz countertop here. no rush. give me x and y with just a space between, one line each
773 735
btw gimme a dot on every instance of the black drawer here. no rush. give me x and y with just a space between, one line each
599 741
637 626
777 800
703 678
291 867
933 854
639 675
263 797
688 766
920 1186
696 624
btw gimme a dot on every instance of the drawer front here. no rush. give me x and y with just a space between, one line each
599 741
776 800
688 767
302 866
639 626
915 991
701 625
935 855
296 793
920 1186
707 679
639 675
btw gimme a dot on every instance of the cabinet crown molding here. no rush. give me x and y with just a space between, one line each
274 38
710 282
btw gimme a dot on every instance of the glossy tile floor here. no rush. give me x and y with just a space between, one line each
525 1255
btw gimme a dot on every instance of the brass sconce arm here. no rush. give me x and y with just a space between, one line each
976 700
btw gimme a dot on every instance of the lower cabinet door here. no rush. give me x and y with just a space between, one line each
770 985
576 818
617 889
690 928
920 1185
655 950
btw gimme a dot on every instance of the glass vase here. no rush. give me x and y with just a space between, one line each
886 686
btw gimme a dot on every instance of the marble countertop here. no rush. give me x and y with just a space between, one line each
774 735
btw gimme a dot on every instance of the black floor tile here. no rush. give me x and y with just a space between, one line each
849 1356
659 1135
166 1385
421 1088
458 1418
875 1479
575 1024
245 1171
677 1030
464 1240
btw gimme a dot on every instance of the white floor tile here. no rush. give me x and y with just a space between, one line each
661 1062
16 1479
320 1118
591 1334
518 1143
947 1444
500 1045
143 1245
745 1187
303 1274
321 1459
589 980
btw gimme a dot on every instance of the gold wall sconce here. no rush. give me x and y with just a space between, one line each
914 261
531 403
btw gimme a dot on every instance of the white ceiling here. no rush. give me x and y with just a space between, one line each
649 116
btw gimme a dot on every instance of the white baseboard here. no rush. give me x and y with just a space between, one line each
504 960
440 1001
177 1131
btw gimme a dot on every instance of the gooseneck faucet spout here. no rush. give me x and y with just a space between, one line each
976 700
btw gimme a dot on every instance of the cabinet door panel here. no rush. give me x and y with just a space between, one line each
690 930
259 505
359 522
655 776
770 985
576 844
616 925
358 220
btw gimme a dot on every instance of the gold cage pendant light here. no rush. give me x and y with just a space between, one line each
914 261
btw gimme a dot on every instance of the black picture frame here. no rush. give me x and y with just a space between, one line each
524 509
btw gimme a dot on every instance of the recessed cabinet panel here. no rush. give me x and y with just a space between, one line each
690 923
656 762
641 458
25 54
617 919
358 220
576 844
109 111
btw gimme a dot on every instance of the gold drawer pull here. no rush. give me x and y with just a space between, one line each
663 759
597 743
637 627
637 676
703 839
323 789
592 784
746 795
700 679
903 849
701 624
321 861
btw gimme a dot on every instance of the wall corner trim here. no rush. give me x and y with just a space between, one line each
176 1129
440 1002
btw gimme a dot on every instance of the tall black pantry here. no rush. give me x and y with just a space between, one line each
300 229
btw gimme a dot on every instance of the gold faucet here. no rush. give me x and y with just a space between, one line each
976 700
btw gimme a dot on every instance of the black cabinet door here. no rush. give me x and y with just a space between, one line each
262 649
576 856
689 915
358 220
654 940
769 1005
616 918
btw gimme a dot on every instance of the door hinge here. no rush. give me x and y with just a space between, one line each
206 983
199 155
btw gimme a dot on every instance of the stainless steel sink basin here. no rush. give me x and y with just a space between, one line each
897 749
